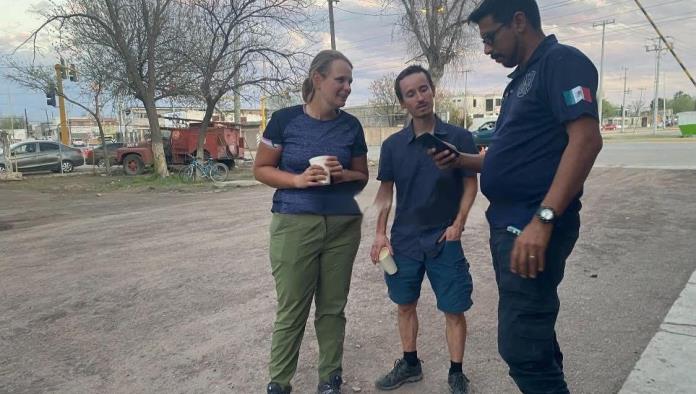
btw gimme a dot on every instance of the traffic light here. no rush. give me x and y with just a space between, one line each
72 72
51 94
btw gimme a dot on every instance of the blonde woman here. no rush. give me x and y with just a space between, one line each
315 229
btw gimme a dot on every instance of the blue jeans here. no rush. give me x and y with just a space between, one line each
527 312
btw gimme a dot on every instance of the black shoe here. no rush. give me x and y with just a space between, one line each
333 386
275 388
458 383
400 374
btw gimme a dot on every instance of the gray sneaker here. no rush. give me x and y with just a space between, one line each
458 383
333 386
401 373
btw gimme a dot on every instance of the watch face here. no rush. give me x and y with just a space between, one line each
546 214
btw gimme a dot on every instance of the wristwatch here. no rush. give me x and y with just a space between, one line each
546 214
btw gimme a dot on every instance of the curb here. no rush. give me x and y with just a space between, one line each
667 365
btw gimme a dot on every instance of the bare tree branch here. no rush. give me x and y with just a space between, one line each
383 98
134 38
230 45
437 32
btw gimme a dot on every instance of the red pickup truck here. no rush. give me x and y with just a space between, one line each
223 142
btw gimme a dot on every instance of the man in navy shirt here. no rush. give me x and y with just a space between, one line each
546 140
431 210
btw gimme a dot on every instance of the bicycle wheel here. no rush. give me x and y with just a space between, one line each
218 172
188 174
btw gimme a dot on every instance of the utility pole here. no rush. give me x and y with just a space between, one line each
657 48
623 103
64 133
600 91
48 124
11 112
26 123
331 24
664 99
669 46
466 100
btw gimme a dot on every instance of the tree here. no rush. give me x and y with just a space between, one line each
39 78
637 106
135 36
682 102
437 31
287 98
12 122
383 98
609 109
445 106
7 172
234 44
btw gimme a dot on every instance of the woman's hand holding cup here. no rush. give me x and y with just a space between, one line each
335 168
313 176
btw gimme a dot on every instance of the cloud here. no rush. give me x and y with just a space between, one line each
365 32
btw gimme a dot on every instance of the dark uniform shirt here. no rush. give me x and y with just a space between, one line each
303 137
427 198
556 86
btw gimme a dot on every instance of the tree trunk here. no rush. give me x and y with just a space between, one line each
436 72
159 160
203 131
102 138
5 141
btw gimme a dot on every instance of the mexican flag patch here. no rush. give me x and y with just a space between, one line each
576 95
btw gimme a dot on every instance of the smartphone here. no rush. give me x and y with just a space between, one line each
429 141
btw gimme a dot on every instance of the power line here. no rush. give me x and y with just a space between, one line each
662 37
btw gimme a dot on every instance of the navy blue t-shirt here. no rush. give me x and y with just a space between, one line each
427 198
303 137
558 85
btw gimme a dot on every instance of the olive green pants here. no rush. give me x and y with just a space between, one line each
311 257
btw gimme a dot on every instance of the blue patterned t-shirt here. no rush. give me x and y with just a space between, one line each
303 137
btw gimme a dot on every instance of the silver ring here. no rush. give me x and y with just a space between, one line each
532 257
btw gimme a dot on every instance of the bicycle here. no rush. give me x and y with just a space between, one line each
215 171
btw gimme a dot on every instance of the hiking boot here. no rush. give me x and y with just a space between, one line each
400 374
275 388
458 383
333 386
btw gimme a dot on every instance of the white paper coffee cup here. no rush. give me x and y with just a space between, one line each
386 261
321 162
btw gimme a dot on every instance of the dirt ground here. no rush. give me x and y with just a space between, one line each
163 288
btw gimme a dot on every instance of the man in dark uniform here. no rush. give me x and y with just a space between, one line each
546 140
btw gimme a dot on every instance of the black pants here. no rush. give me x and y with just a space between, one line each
527 312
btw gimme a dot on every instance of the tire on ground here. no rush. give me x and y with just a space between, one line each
133 164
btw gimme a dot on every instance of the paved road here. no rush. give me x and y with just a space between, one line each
656 154
665 154
172 292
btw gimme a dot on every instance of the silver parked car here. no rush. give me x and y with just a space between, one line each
43 156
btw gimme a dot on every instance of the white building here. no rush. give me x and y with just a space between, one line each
479 106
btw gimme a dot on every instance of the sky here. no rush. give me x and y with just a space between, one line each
365 33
